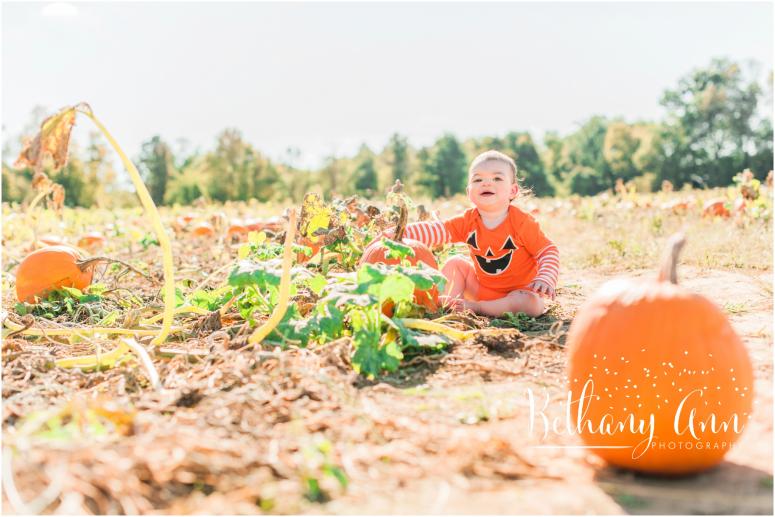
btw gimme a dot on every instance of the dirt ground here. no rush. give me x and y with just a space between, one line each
445 434
241 431
573 481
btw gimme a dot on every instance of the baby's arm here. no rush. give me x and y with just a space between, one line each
548 260
430 233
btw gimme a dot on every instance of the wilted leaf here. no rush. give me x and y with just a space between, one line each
57 200
53 140
315 215
41 181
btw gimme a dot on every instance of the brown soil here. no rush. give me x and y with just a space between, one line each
241 431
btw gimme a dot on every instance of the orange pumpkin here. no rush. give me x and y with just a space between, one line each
188 217
301 258
376 253
273 224
715 207
652 350
51 268
203 230
237 231
92 240
51 240
678 207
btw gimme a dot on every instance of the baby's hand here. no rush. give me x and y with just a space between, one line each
541 287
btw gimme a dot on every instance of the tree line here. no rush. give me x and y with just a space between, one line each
716 124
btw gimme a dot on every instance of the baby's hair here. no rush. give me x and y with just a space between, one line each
497 156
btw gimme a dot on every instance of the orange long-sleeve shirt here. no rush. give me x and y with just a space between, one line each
505 258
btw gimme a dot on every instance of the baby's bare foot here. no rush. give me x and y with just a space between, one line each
457 304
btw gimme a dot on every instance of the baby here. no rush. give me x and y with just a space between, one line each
511 261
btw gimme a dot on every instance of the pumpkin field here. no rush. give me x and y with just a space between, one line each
341 403
244 358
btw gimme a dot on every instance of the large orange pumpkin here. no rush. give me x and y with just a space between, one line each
51 268
376 253
651 349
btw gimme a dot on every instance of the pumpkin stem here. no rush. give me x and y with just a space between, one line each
668 271
85 264
403 217
396 193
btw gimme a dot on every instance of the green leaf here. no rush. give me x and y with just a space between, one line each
337 473
397 249
370 274
326 324
98 288
109 320
261 274
72 291
372 357
149 240
317 283
424 276
396 287
343 299
212 300
290 328
256 238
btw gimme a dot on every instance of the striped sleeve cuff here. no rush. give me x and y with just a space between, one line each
548 261
430 233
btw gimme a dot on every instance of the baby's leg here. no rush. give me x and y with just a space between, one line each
462 285
516 301
461 278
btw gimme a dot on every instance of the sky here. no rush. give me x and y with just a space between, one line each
326 77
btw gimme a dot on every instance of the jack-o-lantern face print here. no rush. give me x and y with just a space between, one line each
492 262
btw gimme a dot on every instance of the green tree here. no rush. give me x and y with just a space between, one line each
582 164
444 169
156 164
713 129
332 176
620 148
398 148
236 171
530 167
80 187
365 175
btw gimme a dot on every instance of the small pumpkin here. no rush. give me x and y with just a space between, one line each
376 253
188 217
51 240
237 232
715 208
301 258
92 240
203 230
652 349
272 224
51 268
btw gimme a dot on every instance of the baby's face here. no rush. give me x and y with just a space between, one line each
491 185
